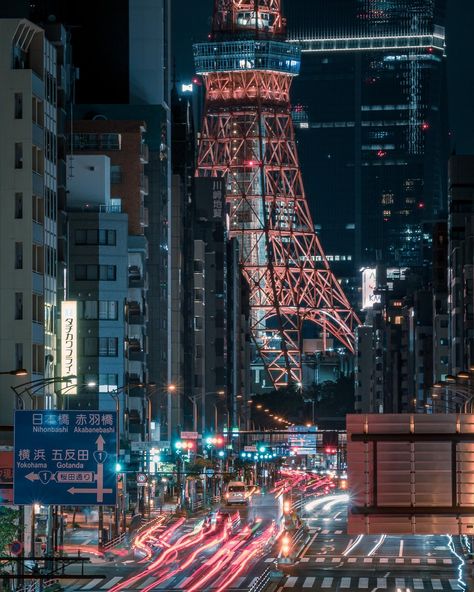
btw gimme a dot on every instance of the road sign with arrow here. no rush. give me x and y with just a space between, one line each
65 457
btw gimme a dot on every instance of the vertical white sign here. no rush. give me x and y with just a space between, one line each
369 285
69 342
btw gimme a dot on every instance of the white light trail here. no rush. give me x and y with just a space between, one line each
353 546
327 499
338 499
378 544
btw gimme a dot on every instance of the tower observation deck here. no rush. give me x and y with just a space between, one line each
247 137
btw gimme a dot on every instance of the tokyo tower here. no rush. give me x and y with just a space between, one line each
248 138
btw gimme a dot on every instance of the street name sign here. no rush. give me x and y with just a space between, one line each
65 458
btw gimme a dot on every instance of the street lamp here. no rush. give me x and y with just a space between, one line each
18 372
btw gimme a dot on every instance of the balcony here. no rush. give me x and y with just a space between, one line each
136 355
144 184
144 154
135 315
135 277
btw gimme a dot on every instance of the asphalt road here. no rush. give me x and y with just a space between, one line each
333 560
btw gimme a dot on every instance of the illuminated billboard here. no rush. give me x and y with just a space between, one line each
369 285
69 342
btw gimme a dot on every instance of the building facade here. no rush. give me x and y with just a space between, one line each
370 112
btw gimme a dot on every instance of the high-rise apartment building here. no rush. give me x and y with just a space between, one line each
32 94
370 113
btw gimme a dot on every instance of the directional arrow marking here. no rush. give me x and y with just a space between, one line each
74 490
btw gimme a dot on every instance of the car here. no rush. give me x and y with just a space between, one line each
237 493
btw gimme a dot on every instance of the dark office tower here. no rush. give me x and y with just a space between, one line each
370 110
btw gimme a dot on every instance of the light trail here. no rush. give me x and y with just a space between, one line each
338 499
377 546
462 583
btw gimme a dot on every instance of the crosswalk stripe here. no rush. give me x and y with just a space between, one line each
320 559
308 582
338 532
325 531
384 560
146 583
335 560
304 559
454 585
269 559
166 585
381 582
368 559
92 584
363 583
290 582
112 582
431 560
399 560
236 584
352 560
415 560
327 583
436 584
345 583
253 582
400 582
418 584
447 561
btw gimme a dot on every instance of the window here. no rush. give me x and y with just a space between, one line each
18 155
37 160
18 105
18 307
38 259
96 237
38 308
90 273
199 294
18 255
38 358
115 174
18 206
19 355
198 323
38 209
108 347
105 310
37 111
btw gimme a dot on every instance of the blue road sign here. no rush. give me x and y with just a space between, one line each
65 458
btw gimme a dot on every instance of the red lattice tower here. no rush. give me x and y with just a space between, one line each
248 137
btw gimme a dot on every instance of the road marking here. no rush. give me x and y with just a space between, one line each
269 559
345 583
338 532
320 559
112 582
436 584
418 584
447 561
368 559
308 582
415 560
290 582
335 560
92 584
454 585
381 582
400 560
146 583
363 583
308 545
236 584
400 551
325 531
327 583
352 559
400 582
304 559
430 560
383 560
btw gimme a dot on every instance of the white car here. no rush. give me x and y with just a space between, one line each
237 493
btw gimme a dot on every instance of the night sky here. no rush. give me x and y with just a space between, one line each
196 25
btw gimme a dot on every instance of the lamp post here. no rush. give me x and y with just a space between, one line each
195 398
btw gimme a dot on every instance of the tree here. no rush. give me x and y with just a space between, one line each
8 528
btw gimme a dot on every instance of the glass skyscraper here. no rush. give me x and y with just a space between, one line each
370 110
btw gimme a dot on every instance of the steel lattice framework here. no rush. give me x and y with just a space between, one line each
248 137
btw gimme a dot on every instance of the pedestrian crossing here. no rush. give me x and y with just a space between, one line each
173 584
329 559
325 584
